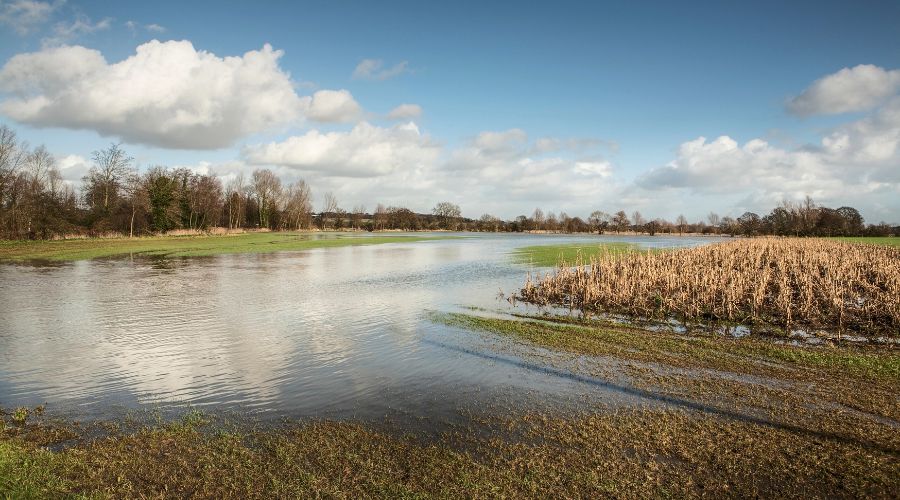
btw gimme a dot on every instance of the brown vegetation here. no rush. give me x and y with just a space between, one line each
789 283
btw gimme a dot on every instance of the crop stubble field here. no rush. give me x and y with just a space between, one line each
787 283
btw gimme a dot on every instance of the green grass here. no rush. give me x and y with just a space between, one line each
745 355
874 240
187 246
569 253
626 454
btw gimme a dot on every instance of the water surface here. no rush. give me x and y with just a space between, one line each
337 333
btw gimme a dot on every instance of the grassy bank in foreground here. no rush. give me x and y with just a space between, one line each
569 253
188 246
629 454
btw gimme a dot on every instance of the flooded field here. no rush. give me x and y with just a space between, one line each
334 332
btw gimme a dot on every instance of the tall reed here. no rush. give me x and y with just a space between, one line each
808 283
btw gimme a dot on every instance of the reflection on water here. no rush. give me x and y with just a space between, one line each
336 332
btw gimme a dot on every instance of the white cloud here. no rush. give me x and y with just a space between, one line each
502 171
72 168
364 151
64 32
334 106
860 88
405 112
598 168
873 141
23 16
723 165
151 28
167 94
373 69
857 163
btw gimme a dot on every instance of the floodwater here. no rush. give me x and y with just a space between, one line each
333 333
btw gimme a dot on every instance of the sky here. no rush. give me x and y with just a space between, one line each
663 107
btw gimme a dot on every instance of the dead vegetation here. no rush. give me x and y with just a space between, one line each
783 282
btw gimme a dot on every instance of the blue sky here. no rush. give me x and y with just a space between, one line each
619 87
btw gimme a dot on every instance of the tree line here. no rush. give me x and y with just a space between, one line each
114 197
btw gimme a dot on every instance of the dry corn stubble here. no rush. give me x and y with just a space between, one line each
787 282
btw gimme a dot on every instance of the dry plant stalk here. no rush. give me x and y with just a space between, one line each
787 282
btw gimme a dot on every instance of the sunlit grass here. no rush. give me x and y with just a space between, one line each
627 454
747 355
189 246
569 253
874 240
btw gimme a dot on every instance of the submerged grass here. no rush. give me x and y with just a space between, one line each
569 253
187 246
746 355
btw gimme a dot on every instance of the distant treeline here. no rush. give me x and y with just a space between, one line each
35 203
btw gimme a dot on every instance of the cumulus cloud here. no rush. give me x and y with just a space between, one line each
860 88
504 169
23 16
364 151
405 112
334 106
851 163
857 162
723 165
374 69
167 94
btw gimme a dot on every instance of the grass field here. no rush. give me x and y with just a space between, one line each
569 253
188 246
874 240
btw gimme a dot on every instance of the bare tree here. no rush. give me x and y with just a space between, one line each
714 220
638 220
206 196
329 206
380 217
620 221
12 155
357 215
37 167
298 205
267 188
235 193
551 223
137 196
538 219
681 222
447 214
111 167
599 221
